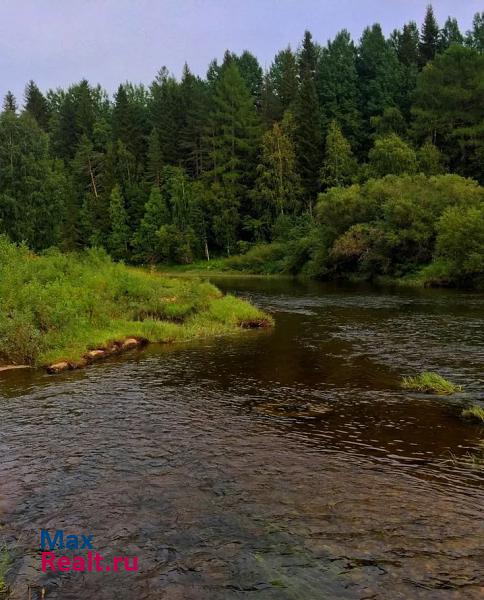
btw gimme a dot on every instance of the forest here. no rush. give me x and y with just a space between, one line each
359 159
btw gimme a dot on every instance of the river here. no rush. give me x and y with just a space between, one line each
283 464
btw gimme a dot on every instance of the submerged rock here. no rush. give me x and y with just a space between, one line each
59 367
95 354
130 343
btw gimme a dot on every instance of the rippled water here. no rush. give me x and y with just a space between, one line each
269 465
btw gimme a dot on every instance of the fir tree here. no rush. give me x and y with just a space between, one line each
337 85
379 72
10 103
429 37
36 104
307 120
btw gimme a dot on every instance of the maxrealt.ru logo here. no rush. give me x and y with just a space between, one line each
88 562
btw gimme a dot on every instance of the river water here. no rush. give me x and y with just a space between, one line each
283 464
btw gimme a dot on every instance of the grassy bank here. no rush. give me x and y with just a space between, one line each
58 306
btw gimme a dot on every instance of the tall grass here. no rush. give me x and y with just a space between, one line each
57 306
429 382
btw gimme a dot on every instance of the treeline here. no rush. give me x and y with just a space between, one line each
192 168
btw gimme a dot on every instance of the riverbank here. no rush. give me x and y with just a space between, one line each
76 308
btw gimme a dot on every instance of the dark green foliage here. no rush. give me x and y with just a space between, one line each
429 37
450 34
32 191
449 108
119 230
36 104
337 86
10 103
475 37
307 133
379 72
196 167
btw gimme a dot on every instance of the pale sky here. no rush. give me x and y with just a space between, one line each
58 42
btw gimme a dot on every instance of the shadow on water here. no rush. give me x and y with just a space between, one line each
276 465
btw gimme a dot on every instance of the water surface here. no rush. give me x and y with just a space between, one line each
284 464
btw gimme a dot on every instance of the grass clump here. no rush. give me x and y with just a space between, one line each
4 566
429 382
474 413
56 307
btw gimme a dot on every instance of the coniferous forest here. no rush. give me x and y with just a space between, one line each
348 158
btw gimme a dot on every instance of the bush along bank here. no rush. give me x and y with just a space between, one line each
412 229
67 310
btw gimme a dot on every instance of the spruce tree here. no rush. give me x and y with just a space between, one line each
166 115
193 122
337 85
429 37
36 104
10 103
379 73
308 123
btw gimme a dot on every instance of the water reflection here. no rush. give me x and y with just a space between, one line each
284 464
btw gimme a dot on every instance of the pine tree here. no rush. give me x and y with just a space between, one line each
36 104
119 232
10 103
308 124
339 166
429 37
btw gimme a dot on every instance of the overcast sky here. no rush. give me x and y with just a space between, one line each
58 42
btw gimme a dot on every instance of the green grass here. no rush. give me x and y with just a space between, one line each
474 413
56 307
4 566
430 382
